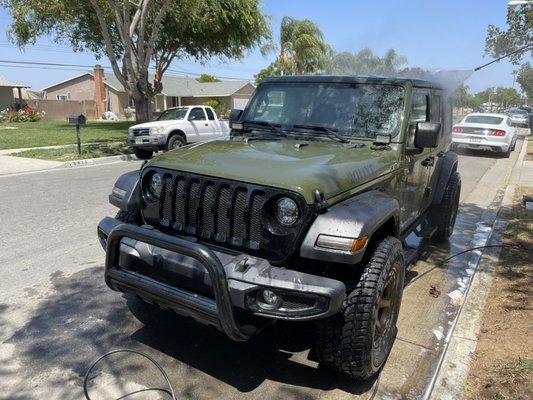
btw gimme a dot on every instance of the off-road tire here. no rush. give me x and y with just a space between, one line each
346 341
129 217
143 154
444 214
175 142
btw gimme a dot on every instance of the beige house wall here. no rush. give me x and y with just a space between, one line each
80 88
60 110
6 97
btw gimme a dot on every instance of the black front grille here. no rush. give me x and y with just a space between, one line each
214 210
141 132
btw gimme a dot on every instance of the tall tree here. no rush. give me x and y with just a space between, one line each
301 49
365 62
525 80
518 35
137 35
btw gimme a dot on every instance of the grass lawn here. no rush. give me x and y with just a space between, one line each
70 153
50 133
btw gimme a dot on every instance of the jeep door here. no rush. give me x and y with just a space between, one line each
416 171
201 127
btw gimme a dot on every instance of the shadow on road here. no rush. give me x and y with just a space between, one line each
80 319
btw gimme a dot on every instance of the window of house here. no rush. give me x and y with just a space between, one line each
62 97
175 101
210 114
197 114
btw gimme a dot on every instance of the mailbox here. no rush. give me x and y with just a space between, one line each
77 119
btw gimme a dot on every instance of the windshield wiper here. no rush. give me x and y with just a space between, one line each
277 129
331 133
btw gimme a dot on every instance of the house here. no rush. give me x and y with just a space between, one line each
7 97
109 94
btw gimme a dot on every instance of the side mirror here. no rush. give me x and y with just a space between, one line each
427 134
234 117
192 117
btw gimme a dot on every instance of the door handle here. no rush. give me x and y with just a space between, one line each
206 124
428 162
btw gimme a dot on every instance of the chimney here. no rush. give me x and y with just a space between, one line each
99 91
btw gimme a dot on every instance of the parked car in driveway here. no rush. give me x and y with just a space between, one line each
174 128
519 117
486 132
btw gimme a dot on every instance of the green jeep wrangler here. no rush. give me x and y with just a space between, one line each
301 216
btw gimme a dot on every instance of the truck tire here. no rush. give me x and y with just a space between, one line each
443 215
129 217
357 341
142 154
175 142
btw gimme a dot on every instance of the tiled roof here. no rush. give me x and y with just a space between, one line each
188 87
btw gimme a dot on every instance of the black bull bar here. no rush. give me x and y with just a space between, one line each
218 312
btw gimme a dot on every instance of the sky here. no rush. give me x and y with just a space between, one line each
431 34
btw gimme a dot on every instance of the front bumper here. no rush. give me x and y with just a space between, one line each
147 141
210 286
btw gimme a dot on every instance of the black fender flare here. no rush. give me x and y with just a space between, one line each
445 167
126 194
359 216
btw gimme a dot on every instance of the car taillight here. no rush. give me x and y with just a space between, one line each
498 133
457 129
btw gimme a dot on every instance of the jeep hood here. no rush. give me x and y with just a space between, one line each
332 168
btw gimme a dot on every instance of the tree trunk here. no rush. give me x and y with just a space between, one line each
143 108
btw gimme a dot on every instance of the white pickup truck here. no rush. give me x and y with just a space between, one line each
174 128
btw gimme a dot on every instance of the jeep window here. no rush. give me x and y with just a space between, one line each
484 119
197 114
419 113
358 110
173 113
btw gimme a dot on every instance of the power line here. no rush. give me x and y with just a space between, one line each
43 64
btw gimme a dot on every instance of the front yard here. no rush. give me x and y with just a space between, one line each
53 133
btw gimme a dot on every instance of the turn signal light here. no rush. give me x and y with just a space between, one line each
457 129
498 133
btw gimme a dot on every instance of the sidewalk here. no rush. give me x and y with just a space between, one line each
462 343
10 165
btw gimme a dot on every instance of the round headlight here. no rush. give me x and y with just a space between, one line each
287 211
155 185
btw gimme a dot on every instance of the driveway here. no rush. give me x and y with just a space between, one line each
57 315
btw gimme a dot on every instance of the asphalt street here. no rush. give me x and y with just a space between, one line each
57 315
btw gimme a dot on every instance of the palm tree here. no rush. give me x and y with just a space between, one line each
301 48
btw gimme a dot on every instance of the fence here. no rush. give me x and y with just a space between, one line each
57 110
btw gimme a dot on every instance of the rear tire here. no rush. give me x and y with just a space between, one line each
358 341
444 214
142 154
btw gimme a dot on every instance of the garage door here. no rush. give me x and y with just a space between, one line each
239 104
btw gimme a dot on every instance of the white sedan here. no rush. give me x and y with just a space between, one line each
485 131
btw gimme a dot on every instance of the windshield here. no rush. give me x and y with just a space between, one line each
360 110
173 113
518 112
484 119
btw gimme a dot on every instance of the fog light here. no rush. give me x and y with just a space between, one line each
270 297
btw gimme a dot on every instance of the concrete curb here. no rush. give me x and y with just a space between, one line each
453 372
97 161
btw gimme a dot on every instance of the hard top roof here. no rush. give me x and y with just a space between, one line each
354 79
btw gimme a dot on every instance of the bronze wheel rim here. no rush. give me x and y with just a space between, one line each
386 309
